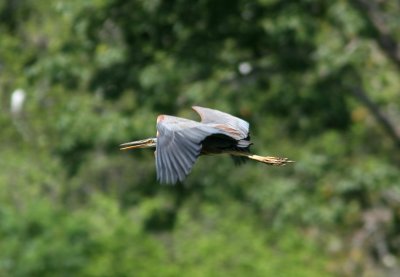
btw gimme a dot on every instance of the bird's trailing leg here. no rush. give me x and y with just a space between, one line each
270 160
263 159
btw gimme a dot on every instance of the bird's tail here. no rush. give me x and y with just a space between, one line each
263 159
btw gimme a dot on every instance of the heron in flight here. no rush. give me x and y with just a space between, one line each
181 141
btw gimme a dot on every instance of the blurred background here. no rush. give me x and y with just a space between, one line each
317 80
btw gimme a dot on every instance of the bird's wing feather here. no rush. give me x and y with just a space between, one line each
178 146
236 127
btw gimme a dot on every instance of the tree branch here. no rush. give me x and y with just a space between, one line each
387 125
388 44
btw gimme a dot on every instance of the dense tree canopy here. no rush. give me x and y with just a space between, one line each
317 80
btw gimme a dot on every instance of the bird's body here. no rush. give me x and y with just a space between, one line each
181 141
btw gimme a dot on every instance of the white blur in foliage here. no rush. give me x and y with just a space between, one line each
17 101
245 68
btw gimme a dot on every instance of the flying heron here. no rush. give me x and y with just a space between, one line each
181 141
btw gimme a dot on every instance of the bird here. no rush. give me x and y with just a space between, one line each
180 141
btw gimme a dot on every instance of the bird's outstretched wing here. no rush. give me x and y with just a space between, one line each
236 127
178 146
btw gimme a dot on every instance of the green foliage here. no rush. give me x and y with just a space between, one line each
97 73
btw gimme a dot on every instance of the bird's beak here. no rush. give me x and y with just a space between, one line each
145 143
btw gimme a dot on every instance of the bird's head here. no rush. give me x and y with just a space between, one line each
144 143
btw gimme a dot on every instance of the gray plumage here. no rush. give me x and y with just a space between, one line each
179 140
